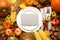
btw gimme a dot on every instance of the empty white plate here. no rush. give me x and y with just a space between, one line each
29 19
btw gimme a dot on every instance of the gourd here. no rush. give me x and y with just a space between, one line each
5 8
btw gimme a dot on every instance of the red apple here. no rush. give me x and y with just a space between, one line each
55 21
18 31
8 32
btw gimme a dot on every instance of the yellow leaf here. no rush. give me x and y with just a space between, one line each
13 16
22 6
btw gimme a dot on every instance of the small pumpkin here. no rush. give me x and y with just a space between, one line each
5 7
55 4
29 2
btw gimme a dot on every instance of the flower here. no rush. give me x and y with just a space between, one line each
53 14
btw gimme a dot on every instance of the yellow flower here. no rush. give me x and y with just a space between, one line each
53 14
22 6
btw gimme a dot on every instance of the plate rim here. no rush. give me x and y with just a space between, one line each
40 20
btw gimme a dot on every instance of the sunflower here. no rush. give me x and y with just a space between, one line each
53 14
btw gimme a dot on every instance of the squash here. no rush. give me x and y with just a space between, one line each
5 8
27 36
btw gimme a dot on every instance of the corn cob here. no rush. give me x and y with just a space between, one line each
37 36
43 36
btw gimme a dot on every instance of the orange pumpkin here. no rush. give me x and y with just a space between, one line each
29 2
55 4
5 7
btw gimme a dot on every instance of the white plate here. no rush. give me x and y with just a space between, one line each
29 19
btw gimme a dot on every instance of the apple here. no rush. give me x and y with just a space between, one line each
55 21
18 31
8 32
